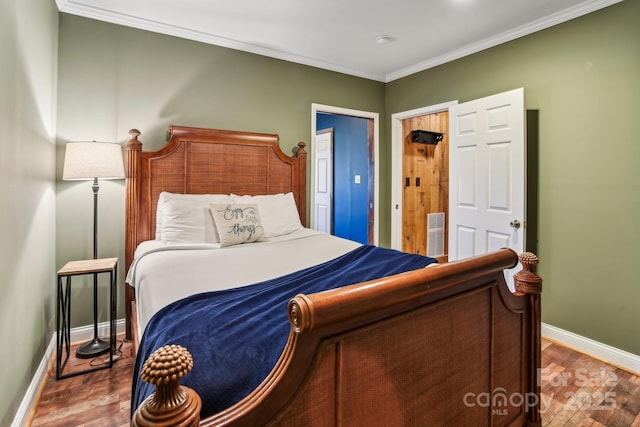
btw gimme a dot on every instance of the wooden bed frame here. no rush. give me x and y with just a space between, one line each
446 345
203 161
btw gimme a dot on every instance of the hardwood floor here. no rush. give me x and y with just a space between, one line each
576 391
101 398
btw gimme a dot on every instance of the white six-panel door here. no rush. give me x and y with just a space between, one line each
323 192
487 175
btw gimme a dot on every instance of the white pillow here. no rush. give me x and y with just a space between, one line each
185 218
237 223
278 212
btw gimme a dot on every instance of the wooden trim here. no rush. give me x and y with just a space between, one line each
371 179
132 170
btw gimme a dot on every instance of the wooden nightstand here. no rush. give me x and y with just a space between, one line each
63 312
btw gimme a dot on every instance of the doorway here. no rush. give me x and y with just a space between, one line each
356 184
425 192
398 178
477 161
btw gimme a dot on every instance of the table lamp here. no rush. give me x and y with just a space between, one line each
86 161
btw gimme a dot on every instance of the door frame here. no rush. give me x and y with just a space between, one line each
396 164
321 108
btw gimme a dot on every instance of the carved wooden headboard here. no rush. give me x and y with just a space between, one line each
205 161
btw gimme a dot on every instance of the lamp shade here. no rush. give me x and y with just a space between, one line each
88 160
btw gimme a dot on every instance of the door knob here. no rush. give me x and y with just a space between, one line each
515 223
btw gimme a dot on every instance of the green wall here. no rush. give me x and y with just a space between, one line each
113 78
28 43
583 77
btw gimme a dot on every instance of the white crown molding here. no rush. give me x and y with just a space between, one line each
77 7
530 28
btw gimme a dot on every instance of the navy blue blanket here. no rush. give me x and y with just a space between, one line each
236 336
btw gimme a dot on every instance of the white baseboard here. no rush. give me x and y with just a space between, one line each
614 356
30 399
85 333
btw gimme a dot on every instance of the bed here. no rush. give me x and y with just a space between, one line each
392 340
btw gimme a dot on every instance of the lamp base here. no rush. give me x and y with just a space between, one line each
93 348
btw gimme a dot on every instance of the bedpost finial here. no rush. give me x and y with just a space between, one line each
301 153
526 280
170 361
134 142
528 260
164 369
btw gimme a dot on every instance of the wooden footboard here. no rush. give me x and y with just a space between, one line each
447 345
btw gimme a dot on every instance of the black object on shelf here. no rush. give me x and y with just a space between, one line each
426 137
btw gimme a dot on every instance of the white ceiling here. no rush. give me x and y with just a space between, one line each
340 35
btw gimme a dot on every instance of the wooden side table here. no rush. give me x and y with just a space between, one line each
63 312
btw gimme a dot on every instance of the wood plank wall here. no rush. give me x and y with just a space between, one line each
429 163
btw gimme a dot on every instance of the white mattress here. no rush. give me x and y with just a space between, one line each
162 273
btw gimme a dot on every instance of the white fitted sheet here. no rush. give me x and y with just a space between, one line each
162 273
